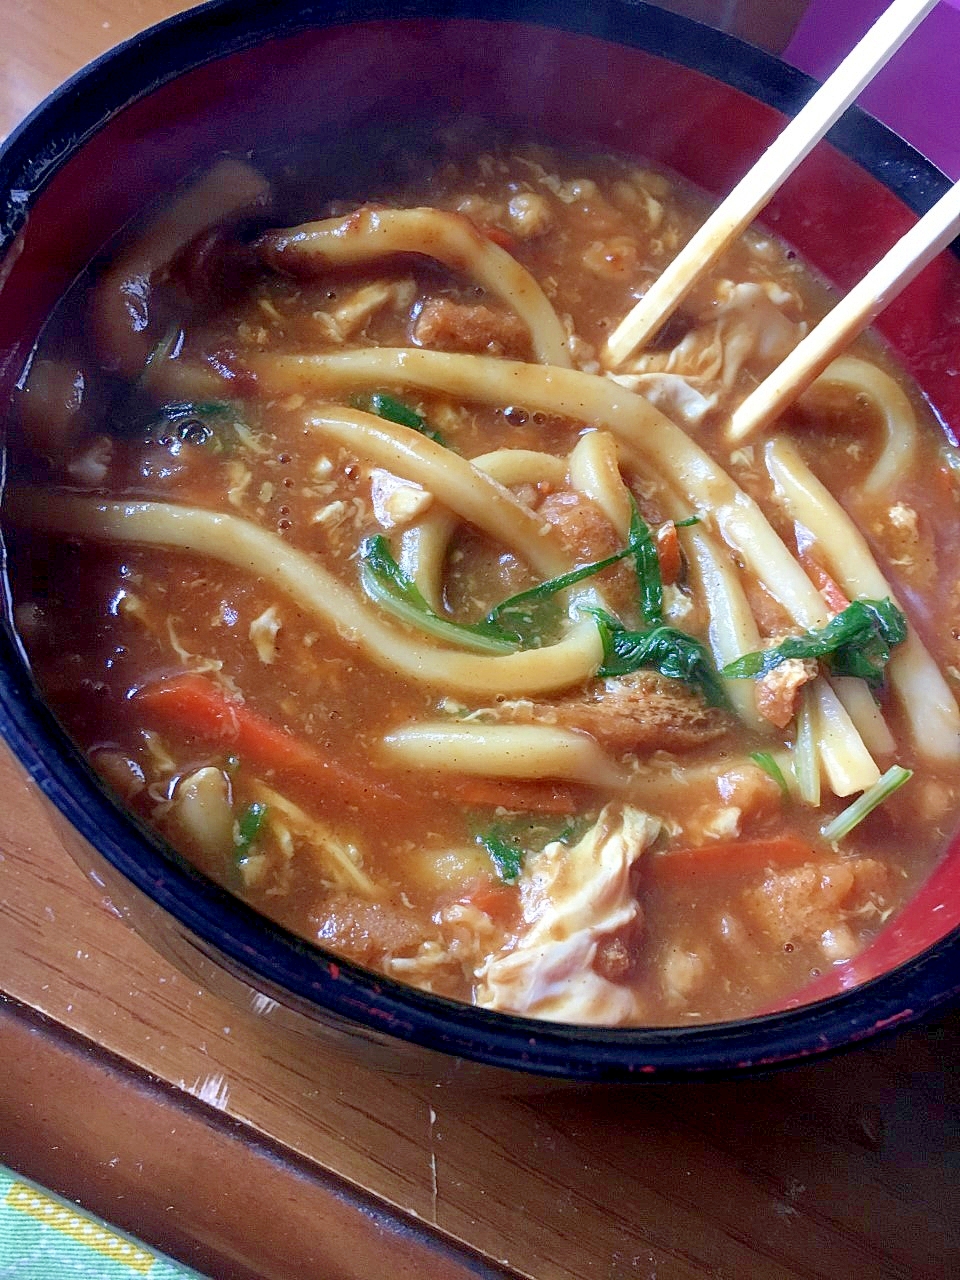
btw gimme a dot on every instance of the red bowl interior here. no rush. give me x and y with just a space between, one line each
839 216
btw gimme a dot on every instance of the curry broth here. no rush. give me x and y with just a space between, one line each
737 901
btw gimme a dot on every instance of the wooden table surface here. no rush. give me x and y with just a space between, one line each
212 1129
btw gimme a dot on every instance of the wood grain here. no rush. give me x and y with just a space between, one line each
44 41
834 1169
198 1185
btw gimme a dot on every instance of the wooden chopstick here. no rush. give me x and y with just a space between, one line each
772 169
862 304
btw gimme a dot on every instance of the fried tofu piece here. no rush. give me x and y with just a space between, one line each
816 901
365 931
644 712
641 713
583 528
455 326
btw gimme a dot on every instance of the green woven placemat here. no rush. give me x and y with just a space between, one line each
45 1238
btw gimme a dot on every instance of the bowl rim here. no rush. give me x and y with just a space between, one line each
300 973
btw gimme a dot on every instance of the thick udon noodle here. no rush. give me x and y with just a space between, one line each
301 470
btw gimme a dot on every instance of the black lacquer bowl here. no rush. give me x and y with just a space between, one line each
614 74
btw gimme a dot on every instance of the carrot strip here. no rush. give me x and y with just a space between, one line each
523 796
502 238
498 901
199 706
832 593
668 553
731 857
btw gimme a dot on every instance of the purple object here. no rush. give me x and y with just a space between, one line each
917 93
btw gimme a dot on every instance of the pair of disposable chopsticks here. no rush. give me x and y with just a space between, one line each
862 304
866 300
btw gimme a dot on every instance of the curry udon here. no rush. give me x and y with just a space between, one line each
358 576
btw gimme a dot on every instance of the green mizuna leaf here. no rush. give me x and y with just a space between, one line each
507 857
768 764
664 649
522 612
386 583
854 814
248 828
524 620
647 563
509 841
524 615
393 410
857 642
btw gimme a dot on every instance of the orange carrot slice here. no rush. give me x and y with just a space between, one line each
668 553
731 857
833 595
498 901
502 238
201 708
